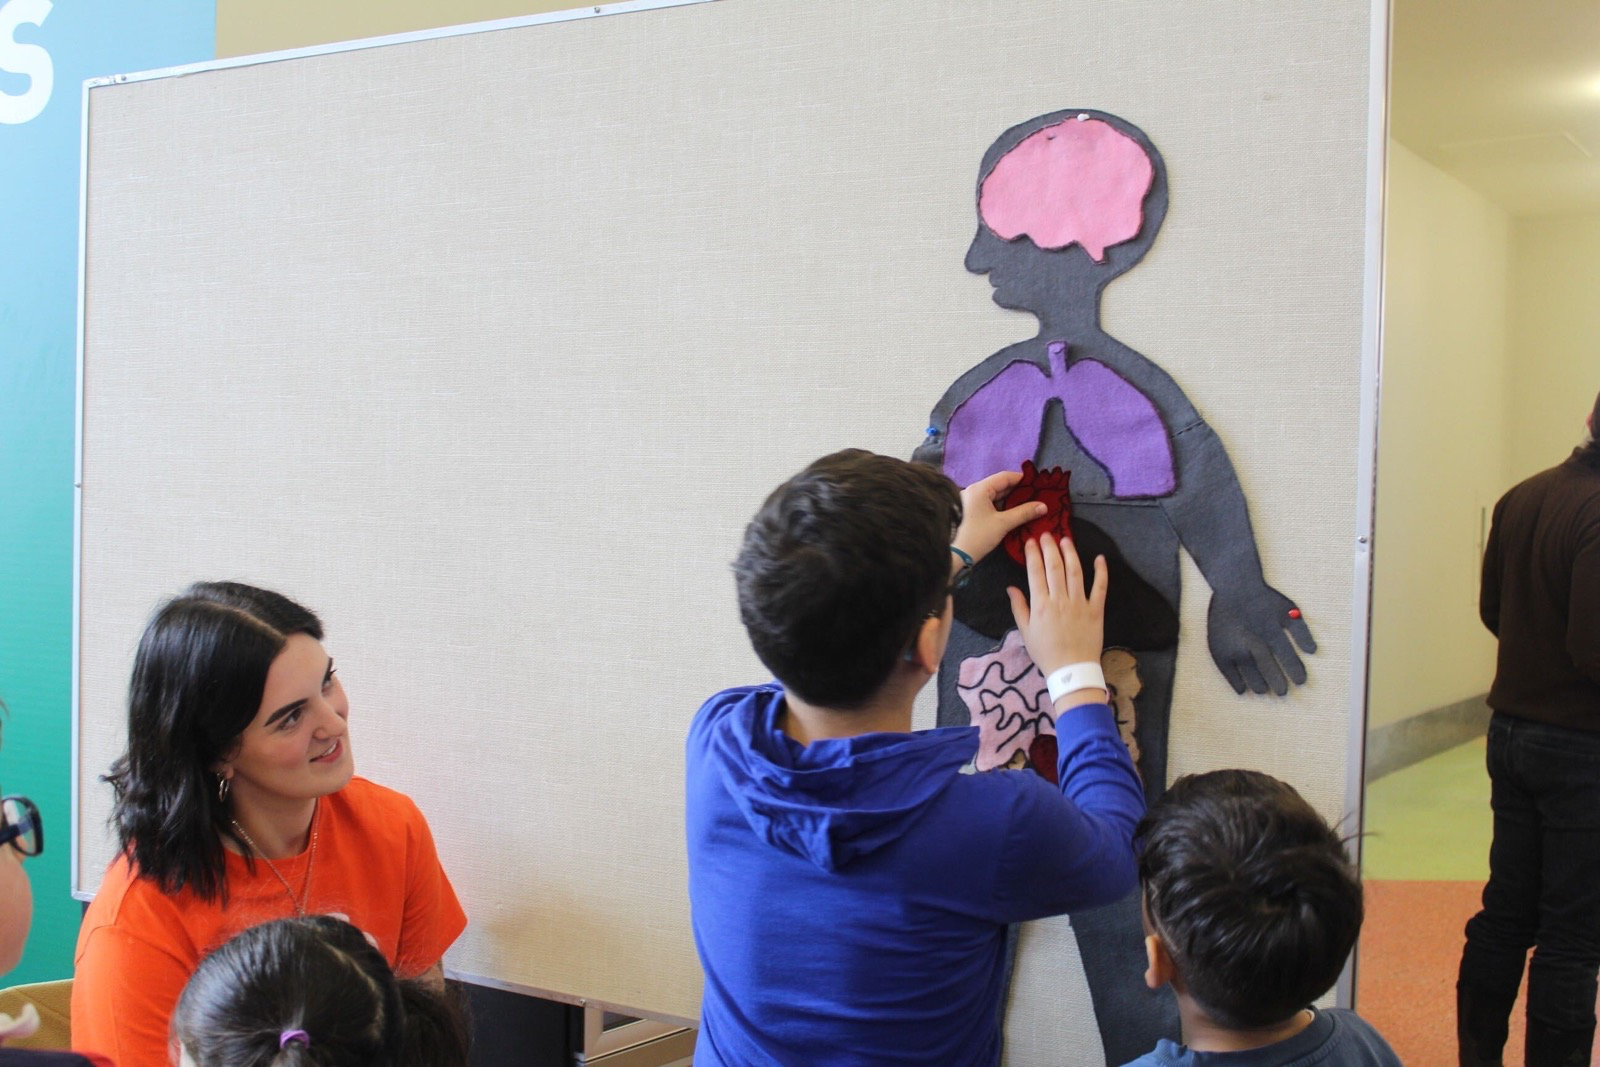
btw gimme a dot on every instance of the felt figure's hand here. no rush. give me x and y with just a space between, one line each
1249 640
1059 622
1049 487
983 522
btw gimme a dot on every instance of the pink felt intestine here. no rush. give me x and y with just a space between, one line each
1078 181
1006 696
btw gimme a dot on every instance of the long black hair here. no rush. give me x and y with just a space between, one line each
313 990
197 681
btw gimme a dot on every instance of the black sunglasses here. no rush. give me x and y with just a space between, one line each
20 826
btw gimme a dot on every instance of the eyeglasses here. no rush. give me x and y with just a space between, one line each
20 826
950 590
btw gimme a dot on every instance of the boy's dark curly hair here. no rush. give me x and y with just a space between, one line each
839 568
1252 893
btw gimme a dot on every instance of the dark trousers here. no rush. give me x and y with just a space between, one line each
1543 894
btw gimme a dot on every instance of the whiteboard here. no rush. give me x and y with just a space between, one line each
486 346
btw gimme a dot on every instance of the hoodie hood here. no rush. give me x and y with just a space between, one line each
835 800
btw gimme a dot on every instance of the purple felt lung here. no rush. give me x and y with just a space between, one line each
1117 425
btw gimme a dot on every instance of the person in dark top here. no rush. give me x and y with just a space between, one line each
1251 907
1541 598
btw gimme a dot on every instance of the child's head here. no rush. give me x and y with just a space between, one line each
1250 895
307 991
841 567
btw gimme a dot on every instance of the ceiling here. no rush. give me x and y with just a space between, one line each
1504 95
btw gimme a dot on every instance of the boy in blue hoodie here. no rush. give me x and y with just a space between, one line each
850 886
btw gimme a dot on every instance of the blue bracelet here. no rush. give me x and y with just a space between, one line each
966 560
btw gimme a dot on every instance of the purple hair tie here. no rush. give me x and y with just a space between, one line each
288 1036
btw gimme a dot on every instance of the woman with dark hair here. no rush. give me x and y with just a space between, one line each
236 803
312 991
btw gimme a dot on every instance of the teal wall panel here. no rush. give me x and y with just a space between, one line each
47 50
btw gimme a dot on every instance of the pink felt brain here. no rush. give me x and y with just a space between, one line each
1079 181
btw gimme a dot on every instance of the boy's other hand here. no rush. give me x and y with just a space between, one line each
1059 622
983 524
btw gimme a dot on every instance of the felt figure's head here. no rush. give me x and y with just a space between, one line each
844 573
16 904
306 991
198 677
1251 903
1066 202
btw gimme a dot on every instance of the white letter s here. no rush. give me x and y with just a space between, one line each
29 60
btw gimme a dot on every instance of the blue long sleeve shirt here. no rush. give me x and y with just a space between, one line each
850 897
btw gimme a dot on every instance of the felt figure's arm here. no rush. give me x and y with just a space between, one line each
1249 623
983 524
1489 590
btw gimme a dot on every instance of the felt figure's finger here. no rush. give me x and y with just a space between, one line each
1247 670
1284 653
1230 671
1302 635
1270 672
1019 607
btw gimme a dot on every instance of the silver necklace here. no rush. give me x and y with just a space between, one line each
311 860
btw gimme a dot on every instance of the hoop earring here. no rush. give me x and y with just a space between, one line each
223 785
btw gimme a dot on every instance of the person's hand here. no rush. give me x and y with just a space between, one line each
1059 622
1249 639
983 524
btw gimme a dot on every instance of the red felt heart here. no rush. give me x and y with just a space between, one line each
1050 486
1042 755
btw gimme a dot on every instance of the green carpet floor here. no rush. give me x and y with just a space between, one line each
1430 821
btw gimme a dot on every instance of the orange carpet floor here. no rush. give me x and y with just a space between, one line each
1406 975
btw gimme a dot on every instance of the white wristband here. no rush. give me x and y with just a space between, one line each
1075 676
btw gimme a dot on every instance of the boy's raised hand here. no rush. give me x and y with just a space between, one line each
983 524
1059 622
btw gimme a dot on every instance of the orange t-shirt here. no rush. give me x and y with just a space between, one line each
375 864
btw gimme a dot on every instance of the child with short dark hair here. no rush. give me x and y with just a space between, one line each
850 886
1251 908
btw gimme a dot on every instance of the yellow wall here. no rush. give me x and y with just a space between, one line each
248 26
1555 336
1442 437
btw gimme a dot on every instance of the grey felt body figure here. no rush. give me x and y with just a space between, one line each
1067 202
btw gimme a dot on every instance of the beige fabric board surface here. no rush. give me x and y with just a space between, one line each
486 347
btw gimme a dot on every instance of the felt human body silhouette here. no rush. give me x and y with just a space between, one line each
1066 203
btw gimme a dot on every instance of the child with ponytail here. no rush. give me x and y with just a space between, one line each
312 991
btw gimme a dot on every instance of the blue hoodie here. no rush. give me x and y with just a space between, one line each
850 897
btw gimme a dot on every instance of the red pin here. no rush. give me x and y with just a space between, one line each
1294 613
